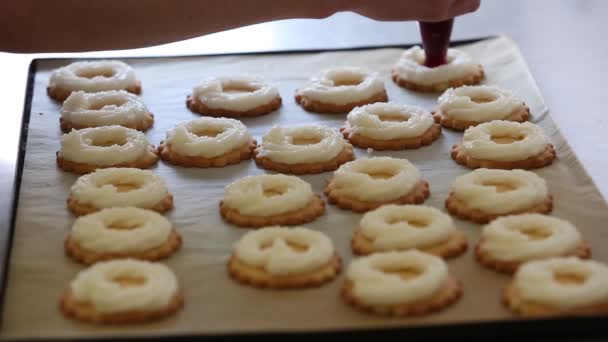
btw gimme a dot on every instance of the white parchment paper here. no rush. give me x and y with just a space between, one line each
39 269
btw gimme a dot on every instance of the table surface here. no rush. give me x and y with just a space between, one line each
562 41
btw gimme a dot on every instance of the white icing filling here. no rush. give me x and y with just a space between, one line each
372 285
208 137
121 230
96 285
101 188
342 86
269 248
268 195
529 236
410 66
106 108
477 141
395 227
500 191
355 179
536 282
86 145
388 121
93 76
460 103
302 144
234 93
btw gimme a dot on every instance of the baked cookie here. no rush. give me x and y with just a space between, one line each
367 183
509 241
92 77
280 257
104 108
86 150
233 97
122 291
463 107
485 194
119 233
558 287
266 200
410 71
402 283
503 144
405 227
390 126
340 90
303 149
119 187
207 142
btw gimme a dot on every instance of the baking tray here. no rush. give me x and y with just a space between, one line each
39 219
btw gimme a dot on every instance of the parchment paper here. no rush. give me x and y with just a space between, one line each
215 304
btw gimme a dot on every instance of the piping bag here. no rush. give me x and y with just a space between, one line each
435 41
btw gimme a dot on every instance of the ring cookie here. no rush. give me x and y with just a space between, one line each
122 292
503 144
558 287
485 194
240 96
104 108
267 200
367 183
279 257
411 73
303 149
510 241
119 187
340 90
207 142
463 107
86 150
92 77
404 283
390 126
405 227
118 233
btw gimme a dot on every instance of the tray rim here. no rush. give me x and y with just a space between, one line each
589 326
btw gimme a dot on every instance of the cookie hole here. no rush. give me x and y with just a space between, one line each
535 233
569 278
207 132
107 104
92 73
393 117
121 185
301 248
485 98
305 140
506 139
405 273
500 186
276 190
346 80
238 88
123 224
129 281
380 174
106 141
414 222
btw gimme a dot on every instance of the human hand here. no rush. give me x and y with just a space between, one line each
421 10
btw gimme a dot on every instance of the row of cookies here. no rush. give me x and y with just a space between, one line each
303 149
337 90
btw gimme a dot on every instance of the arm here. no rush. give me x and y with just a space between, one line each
76 25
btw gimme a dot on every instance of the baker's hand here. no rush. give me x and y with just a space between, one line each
421 10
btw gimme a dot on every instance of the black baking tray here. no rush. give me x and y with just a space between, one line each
551 329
